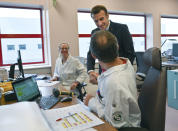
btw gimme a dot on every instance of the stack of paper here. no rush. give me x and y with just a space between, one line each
22 116
47 83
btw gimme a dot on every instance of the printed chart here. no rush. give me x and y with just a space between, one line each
72 118
75 120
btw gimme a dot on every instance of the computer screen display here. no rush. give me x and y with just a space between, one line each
19 62
20 66
175 51
11 71
26 89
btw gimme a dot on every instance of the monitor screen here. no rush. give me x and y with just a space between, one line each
11 71
19 62
175 51
20 66
26 89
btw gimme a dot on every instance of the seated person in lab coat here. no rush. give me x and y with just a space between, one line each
68 70
116 98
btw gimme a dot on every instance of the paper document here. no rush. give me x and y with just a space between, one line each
22 116
27 116
72 118
47 83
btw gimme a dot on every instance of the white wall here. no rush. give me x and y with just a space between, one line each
63 18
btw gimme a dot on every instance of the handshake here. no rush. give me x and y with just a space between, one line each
93 77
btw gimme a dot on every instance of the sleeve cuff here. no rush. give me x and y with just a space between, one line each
90 71
92 104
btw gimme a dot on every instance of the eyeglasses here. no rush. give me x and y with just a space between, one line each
63 48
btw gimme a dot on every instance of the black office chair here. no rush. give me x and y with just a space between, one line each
83 60
142 70
152 98
81 91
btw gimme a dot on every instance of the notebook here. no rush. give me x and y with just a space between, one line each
27 90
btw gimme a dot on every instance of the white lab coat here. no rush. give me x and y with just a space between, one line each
72 70
117 102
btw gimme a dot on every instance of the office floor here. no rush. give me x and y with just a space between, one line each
171 123
171 119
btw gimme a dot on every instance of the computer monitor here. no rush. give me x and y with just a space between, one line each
20 66
175 51
19 63
12 70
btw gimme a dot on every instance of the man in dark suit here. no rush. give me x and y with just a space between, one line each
101 18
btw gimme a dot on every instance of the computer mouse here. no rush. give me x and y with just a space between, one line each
45 78
66 99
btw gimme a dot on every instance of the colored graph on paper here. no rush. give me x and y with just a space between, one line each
71 118
75 120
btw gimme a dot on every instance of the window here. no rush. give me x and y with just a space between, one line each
21 25
135 23
169 34
10 47
22 47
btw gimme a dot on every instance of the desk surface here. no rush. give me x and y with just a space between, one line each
170 63
104 127
48 91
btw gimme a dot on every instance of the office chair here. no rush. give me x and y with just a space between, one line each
142 69
81 90
81 86
152 98
83 60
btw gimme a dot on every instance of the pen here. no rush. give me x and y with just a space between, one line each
65 116
59 119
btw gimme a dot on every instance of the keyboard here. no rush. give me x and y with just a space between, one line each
48 102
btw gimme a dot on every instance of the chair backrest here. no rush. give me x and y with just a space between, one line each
82 60
152 98
141 66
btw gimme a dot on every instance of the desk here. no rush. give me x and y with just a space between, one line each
169 64
104 127
48 90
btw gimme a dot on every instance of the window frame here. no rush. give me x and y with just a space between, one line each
24 35
169 35
133 35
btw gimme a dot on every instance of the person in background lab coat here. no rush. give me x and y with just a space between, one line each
116 98
68 70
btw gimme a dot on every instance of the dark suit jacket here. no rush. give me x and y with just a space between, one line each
125 42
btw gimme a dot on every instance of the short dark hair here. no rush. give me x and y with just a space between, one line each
104 46
96 9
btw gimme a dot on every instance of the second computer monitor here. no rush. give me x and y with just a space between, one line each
20 66
175 51
19 62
